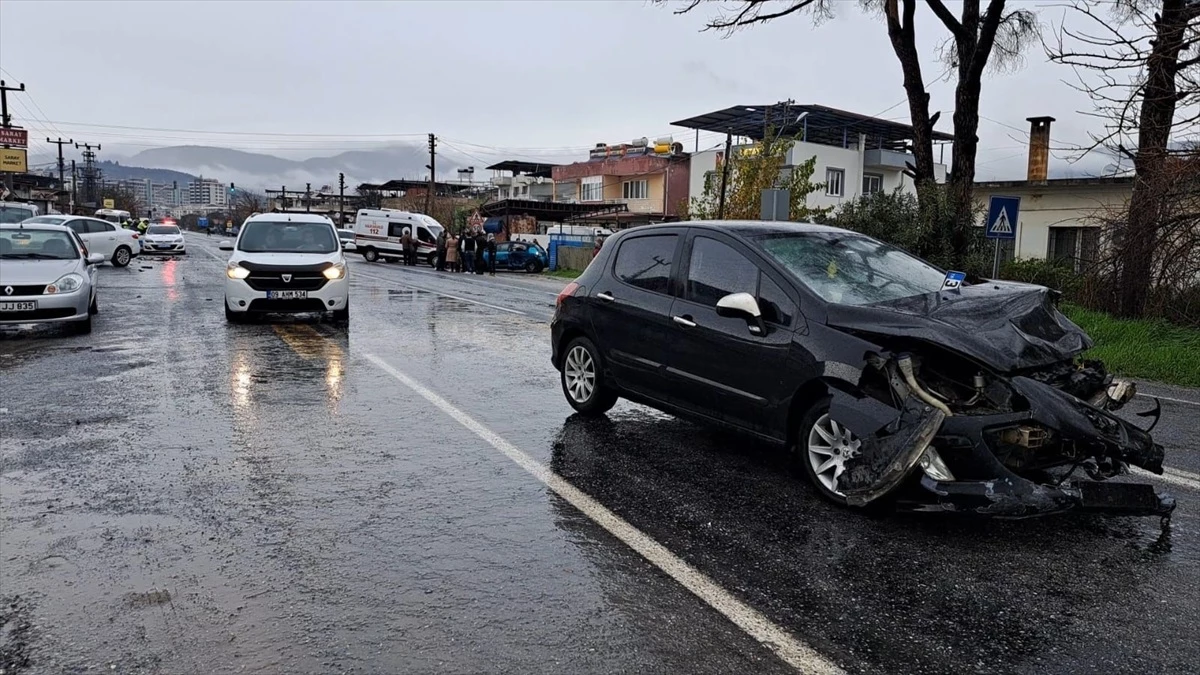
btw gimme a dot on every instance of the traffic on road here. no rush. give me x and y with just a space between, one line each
723 448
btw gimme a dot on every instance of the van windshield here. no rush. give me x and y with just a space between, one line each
287 237
14 214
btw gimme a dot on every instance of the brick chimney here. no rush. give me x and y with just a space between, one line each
1039 148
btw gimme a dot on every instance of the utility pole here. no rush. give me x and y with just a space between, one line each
307 197
341 199
283 199
724 175
74 183
432 173
6 120
62 166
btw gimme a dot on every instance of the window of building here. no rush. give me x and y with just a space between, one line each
835 182
591 189
635 189
1077 246
872 183
645 262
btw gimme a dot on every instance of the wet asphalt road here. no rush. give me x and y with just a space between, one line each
182 496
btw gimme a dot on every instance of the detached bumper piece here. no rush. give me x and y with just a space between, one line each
1019 498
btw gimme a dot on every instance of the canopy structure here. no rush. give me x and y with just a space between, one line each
403 184
810 123
528 168
554 212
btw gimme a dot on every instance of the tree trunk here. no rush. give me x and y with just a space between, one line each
1159 98
904 43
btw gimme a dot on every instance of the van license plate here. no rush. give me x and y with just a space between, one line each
27 306
287 295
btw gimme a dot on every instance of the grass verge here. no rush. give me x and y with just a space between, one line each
1141 348
564 274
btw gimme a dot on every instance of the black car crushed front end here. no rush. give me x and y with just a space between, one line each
995 407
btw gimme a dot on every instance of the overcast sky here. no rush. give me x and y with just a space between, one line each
493 79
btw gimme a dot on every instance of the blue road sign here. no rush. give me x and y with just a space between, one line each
1002 217
203 222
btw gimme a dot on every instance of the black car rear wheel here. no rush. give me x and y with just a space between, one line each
583 379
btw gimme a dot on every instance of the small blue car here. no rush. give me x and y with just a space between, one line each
520 255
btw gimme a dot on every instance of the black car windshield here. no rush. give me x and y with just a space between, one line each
34 244
163 229
851 269
287 237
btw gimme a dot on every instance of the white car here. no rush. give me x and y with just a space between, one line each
118 246
347 237
163 238
46 276
286 263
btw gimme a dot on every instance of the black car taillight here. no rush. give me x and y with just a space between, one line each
566 293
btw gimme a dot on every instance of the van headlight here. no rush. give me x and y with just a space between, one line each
236 271
67 284
337 271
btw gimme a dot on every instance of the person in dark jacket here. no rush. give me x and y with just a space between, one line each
469 251
410 251
491 254
441 252
480 247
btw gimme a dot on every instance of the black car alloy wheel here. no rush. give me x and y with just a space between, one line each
583 379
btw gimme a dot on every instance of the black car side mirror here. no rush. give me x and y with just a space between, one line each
743 306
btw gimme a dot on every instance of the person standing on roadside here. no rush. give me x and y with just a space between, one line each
406 245
480 247
452 253
441 251
491 254
469 252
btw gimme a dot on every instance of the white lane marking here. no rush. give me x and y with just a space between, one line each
1173 476
791 650
1168 398
448 295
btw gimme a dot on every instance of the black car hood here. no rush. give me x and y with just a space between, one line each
1005 325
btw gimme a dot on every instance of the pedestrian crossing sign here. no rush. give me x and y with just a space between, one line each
1002 217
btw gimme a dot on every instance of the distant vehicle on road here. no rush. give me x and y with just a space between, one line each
115 216
518 255
377 234
117 245
884 375
286 263
347 239
46 276
163 238
15 212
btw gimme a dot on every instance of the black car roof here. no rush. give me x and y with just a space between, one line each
750 228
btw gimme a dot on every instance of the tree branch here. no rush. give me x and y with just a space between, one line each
939 8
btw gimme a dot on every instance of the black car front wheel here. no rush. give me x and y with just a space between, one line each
822 448
583 379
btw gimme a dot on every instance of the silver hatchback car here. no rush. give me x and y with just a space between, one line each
46 276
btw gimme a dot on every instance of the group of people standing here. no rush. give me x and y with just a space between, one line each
465 252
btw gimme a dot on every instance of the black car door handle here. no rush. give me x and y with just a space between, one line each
607 297
685 321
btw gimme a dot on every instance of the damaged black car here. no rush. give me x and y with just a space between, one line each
889 379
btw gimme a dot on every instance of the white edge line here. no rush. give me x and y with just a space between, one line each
1169 398
787 647
447 295
1172 476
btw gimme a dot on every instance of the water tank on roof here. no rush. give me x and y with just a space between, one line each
665 140
640 142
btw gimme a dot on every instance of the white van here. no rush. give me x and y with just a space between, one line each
15 212
377 234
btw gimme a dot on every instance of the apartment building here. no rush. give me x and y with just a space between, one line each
855 154
649 179
208 192
515 179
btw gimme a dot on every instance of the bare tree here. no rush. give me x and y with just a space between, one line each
976 39
1140 65
124 198
245 204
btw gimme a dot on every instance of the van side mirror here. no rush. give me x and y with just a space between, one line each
225 245
742 306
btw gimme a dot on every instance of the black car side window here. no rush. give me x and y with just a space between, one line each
775 304
645 262
716 270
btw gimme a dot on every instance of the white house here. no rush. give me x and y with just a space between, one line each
855 154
